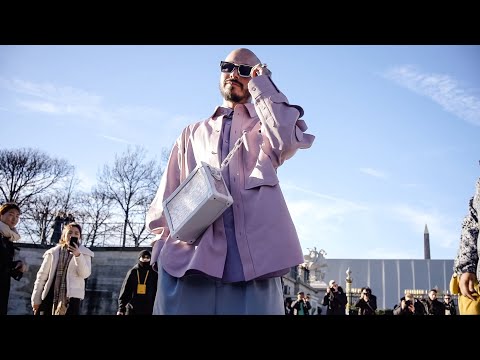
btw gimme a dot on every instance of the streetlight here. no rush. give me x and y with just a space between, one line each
349 290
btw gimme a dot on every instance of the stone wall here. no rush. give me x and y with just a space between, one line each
109 267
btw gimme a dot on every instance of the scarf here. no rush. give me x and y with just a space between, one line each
6 231
60 300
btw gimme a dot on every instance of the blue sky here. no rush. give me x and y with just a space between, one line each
397 128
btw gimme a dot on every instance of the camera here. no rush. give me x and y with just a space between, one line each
73 240
408 303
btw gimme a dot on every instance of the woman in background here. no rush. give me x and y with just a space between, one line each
9 217
60 283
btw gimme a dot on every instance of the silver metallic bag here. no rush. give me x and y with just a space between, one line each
198 201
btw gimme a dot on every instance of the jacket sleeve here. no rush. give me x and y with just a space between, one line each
41 279
83 265
282 129
175 172
126 292
467 255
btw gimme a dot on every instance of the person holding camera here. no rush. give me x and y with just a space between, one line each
57 228
235 266
409 306
301 306
335 299
367 304
9 268
60 283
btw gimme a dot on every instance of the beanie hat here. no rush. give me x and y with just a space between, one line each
144 253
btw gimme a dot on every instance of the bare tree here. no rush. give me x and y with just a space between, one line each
138 229
38 213
70 192
37 217
26 173
94 213
131 182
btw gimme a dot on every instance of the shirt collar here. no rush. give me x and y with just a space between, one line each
219 111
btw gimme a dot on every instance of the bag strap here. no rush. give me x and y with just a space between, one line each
138 277
232 152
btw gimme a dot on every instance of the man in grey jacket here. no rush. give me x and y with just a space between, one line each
466 262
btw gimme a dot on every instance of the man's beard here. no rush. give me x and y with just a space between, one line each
228 95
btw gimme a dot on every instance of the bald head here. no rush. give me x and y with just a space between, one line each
243 56
233 87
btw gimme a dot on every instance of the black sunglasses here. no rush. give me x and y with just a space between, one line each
228 67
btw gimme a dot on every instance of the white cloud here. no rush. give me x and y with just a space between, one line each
442 89
41 106
319 218
373 172
294 188
112 138
58 100
52 93
438 224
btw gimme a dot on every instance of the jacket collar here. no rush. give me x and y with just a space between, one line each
219 111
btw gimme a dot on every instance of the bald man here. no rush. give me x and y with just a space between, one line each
235 266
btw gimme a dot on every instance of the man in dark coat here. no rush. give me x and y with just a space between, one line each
137 295
335 299
57 229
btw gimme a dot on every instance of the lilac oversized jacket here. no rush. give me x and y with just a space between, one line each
266 236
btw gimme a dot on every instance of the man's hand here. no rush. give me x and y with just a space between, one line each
260 69
466 284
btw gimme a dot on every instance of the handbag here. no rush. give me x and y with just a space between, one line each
199 200
61 308
466 306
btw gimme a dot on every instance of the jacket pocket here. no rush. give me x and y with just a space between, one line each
263 173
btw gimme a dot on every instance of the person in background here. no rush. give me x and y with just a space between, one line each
335 299
309 304
57 228
449 304
60 283
288 306
9 218
235 266
466 262
69 219
300 306
139 288
432 305
409 306
367 304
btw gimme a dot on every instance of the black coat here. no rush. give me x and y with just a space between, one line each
132 303
335 301
367 308
7 252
